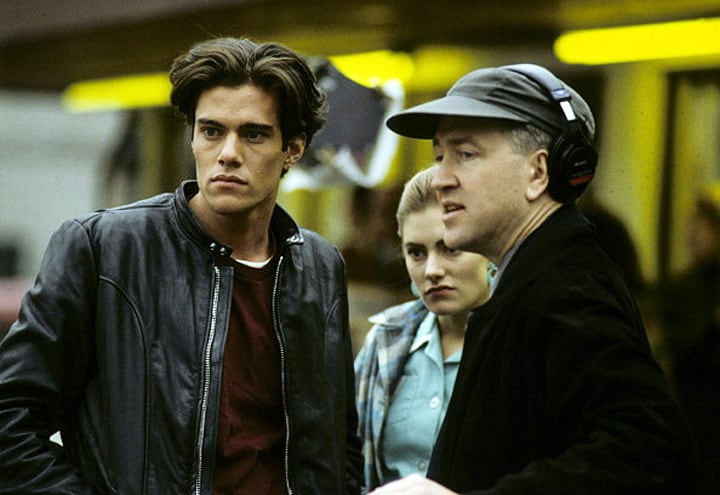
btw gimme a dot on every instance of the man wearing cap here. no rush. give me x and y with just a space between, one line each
557 391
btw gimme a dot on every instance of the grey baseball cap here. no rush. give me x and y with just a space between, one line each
511 92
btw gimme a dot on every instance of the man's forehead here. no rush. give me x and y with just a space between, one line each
451 122
467 128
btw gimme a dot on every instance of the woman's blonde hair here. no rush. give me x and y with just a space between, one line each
416 196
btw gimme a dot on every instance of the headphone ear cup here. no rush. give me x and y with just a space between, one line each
571 166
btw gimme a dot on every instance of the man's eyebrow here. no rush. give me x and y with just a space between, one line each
209 122
465 138
256 126
247 125
458 141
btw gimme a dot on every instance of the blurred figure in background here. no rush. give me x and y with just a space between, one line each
376 272
613 236
689 309
407 366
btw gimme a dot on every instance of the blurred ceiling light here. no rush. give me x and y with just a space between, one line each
135 91
372 69
437 67
428 69
612 45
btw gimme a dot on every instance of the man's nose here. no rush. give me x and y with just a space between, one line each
230 151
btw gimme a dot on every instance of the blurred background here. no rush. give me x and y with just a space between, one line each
85 124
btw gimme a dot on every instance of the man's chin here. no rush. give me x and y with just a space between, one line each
453 241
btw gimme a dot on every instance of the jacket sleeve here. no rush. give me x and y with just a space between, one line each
353 456
43 361
365 379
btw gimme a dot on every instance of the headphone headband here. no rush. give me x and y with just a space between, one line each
572 158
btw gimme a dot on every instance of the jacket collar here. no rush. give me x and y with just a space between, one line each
563 228
282 224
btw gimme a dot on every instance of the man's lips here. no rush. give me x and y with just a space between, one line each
449 206
228 178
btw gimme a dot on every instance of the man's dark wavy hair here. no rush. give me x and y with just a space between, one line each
273 67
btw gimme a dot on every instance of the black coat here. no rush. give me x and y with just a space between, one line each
557 392
119 345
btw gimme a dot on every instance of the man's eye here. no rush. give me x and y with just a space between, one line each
465 154
210 132
254 135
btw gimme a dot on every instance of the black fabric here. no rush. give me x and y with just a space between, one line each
493 93
119 346
557 392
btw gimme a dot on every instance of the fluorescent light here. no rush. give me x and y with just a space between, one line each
374 68
134 91
431 68
690 38
151 90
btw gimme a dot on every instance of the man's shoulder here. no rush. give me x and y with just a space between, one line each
128 217
315 241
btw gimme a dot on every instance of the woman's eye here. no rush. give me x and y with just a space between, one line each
415 253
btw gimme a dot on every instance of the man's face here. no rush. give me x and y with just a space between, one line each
237 144
481 185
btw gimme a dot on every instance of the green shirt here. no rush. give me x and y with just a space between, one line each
419 404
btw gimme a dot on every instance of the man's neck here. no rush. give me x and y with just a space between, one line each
247 234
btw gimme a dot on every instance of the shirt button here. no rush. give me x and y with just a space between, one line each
435 402
422 466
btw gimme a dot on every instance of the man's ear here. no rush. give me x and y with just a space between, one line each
294 151
539 175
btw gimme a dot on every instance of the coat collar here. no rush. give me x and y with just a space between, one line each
282 224
563 228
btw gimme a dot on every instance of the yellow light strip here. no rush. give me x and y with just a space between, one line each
690 38
135 91
429 69
150 90
372 69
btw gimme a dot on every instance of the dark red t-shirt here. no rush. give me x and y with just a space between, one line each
251 429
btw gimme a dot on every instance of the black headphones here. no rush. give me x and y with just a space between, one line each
572 159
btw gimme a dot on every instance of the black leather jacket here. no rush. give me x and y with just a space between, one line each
119 346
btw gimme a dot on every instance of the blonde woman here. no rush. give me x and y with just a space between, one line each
407 365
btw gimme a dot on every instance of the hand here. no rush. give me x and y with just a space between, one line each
413 484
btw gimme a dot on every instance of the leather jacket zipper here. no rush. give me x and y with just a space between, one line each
276 327
207 358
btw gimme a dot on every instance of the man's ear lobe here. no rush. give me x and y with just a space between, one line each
539 175
295 148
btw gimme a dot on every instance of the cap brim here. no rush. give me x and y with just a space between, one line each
422 121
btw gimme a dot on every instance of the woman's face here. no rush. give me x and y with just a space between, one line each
449 281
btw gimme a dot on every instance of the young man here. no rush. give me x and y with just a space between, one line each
195 342
557 392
